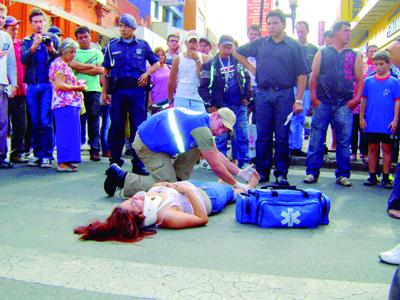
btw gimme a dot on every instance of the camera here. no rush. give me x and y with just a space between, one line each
47 40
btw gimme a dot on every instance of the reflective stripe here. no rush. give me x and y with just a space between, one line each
175 131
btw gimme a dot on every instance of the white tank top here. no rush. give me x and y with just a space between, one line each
188 80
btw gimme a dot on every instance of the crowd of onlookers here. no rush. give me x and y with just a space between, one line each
61 90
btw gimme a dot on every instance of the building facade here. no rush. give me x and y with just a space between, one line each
373 22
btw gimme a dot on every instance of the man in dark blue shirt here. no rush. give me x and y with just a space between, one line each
125 65
225 83
280 66
37 53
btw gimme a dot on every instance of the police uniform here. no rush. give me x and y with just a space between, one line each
126 62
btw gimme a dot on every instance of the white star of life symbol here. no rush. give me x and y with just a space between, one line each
290 217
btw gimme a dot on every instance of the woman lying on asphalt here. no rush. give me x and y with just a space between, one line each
169 205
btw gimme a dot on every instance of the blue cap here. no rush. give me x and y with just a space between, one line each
128 20
10 20
55 30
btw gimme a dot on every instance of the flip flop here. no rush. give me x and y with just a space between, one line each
394 213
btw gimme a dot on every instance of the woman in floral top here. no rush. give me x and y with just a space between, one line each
66 104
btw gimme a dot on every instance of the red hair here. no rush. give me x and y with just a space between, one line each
122 226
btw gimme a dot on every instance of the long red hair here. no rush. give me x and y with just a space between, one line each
122 226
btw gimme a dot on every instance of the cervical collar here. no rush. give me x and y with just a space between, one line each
150 208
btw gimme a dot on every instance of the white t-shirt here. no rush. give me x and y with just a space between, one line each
8 65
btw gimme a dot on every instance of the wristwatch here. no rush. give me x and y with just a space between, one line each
299 101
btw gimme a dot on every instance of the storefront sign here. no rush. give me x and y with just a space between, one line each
253 14
171 2
357 6
393 27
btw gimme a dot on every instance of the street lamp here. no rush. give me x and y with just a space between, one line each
292 15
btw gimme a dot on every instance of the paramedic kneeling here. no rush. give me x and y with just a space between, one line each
185 134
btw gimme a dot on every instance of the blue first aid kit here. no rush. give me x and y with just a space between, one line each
283 208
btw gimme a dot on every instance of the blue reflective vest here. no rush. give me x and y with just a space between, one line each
169 131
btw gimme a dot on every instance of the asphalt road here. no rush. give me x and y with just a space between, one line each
41 258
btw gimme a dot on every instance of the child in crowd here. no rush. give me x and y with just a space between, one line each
379 116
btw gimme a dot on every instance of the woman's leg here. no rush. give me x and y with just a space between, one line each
220 194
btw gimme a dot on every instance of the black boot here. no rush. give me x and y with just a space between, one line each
115 179
137 165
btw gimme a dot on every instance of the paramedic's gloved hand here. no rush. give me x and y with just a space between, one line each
246 173
239 185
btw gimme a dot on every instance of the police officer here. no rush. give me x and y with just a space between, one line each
127 78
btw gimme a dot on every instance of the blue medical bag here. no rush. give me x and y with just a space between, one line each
287 208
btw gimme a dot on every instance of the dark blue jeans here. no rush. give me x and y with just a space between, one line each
394 198
240 139
272 108
342 118
105 126
132 101
92 106
38 98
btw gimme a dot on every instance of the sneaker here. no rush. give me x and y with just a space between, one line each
344 181
115 179
387 184
204 164
282 181
309 179
371 181
33 162
391 256
85 147
298 153
46 163
6 164
19 159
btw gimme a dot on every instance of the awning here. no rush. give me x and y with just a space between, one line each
60 12
371 13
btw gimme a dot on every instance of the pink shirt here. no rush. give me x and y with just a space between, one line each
160 84
63 98
21 91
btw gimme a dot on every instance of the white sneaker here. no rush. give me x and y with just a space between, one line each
204 164
46 163
392 256
33 162
309 179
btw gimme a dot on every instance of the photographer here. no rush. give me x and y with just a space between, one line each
38 51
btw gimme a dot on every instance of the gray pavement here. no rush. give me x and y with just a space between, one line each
40 257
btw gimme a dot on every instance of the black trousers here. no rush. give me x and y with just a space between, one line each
18 117
92 106
355 133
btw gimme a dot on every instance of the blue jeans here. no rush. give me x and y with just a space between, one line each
132 101
272 108
196 105
342 118
38 98
297 124
105 126
240 139
219 194
394 198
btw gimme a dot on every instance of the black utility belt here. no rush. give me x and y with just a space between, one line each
274 88
126 83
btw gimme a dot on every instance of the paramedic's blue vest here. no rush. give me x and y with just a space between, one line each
163 131
335 84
